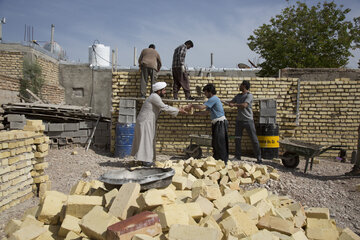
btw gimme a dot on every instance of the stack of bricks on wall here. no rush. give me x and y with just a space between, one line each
329 111
206 201
22 170
67 134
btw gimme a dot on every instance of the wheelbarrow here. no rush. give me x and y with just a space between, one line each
295 148
196 141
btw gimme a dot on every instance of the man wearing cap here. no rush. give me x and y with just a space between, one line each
150 64
143 147
179 73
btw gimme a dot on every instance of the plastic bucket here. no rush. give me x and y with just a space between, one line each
124 139
268 136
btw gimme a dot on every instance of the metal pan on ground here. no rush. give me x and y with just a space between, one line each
147 177
295 148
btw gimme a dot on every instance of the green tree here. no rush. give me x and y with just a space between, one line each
32 79
315 37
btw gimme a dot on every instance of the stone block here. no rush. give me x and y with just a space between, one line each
28 233
229 198
124 204
143 223
70 223
313 212
255 195
31 220
172 214
78 205
142 237
50 210
278 224
274 176
109 197
189 232
12 226
179 182
205 204
263 234
95 223
86 125
194 210
347 234
238 224
299 235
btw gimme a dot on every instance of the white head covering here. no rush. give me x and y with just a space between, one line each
158 86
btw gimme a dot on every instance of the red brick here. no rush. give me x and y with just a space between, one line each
143 223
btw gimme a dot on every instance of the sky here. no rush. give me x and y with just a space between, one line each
218 27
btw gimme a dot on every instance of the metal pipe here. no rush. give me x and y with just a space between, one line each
134 56
211 60
112 59
52 38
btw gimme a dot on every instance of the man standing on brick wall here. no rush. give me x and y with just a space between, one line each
356 169
179 73
219 127
150 64
243 101
144 143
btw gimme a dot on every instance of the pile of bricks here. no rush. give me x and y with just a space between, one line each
201 208
22 163
64 134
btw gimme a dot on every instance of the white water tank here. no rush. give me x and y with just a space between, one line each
99 55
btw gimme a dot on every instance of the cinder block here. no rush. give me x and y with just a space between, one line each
53 134
95 223
68 134
178 231
56 127
71 126
86 125
81 133
143 223
17 125
124 205
15 118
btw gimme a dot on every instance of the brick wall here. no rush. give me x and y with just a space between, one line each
329 110
11 71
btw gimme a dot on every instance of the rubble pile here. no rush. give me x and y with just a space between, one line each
206 201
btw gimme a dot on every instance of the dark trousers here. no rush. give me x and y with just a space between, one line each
145 72
180 80
250 128
220 140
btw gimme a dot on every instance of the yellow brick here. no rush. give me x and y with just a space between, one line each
322 213
255 195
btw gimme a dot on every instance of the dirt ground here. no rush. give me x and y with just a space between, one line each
324 186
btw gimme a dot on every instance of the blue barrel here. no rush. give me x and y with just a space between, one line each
124 139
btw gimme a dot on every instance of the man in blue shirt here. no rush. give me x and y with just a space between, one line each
220 142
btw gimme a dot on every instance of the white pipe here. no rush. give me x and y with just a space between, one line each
52 38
